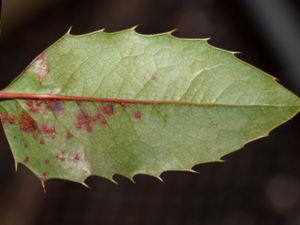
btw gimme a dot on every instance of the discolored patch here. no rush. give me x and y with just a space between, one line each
56 106
7 119
85 121
34 105
69 135
26 160
26 123
48 131
41 67
108 109
137 115
61 156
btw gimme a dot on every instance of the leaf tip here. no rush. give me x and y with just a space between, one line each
86 185
134 27
43 185
69 30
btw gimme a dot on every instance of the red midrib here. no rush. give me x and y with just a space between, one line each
13 95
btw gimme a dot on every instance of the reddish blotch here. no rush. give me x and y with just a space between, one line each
85 120
108 109
48 131
26 123
137 115
69 135
76 157
7 119
34 105
55 106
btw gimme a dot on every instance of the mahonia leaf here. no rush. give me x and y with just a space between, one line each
126 103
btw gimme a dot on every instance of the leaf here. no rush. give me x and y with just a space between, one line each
125 103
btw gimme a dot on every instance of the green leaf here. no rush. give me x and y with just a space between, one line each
125 103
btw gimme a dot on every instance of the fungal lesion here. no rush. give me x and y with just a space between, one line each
41 67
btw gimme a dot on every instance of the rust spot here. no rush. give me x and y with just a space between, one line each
26 123
69 135
101 119
42 142
137 115
7 119
34 105
41 67
48 131
55 106
84 120
77 157
46 161
108 109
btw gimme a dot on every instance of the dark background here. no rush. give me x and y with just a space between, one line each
259 184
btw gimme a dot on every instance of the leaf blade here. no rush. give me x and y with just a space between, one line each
227 104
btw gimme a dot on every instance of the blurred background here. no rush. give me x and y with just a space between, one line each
260 184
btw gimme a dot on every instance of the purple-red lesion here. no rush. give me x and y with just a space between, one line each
7 119
27 123
108 109
137 115
48 131
77 157
34 105
85 120
56 106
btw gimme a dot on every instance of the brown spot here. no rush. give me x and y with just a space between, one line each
85 121
46 161
153 77
108 109
137 115
55 106
76 157
7 119
101 119
69 135
26 145
34 105
41 67
26 123
26 160
42 142
48 131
